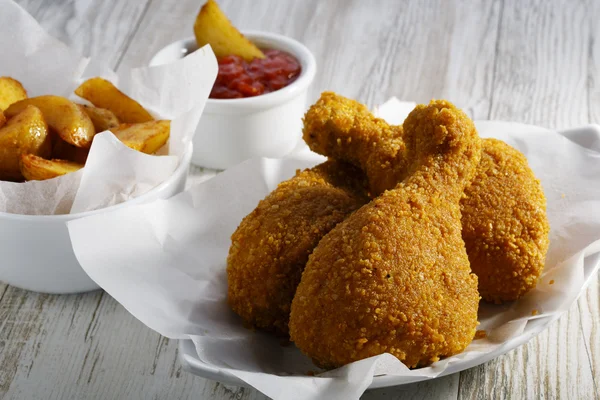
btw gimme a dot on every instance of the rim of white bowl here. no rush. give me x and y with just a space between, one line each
183 165
278 42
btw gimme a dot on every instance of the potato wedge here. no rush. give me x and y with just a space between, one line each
102 118
25 133
2 119
63 117
11 91
36 168
104 94
64 151
147 137
212 27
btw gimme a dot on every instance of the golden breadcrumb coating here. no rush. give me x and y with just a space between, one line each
505 226
344 129
271 246
394 276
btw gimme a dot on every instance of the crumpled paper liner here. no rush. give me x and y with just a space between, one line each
165 262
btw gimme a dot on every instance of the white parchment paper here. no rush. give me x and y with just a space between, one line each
113 173
165 262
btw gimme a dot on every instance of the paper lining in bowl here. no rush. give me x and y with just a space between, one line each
36 247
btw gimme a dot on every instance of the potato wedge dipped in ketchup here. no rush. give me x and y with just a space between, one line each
244 69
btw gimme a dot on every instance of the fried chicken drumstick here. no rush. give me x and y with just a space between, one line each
394 276
271 246
505 226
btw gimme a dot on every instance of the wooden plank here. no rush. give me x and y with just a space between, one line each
553 365
60 347
90 27
541 65
445 388
589 309
540 78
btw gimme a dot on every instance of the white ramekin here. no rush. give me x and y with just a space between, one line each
233 130
36 249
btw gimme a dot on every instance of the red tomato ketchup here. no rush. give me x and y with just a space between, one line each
238 78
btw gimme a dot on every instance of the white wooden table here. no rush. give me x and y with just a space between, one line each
535 62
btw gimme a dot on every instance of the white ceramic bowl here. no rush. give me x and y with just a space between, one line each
233 130
36 252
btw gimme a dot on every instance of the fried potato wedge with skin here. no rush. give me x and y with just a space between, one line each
212 27
36 168
102 118
62 116
25 133
64 151
104 94
11 91
2 119
147 137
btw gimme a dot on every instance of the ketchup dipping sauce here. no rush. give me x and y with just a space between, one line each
238 78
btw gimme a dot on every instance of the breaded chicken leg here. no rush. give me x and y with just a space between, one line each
344 129
504 212
394 276
505 226
271 245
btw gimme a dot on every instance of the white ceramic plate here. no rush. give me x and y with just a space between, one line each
585 136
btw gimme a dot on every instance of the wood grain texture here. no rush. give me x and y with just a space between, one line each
445 388
541 64
84 346
90 27
535 63
589 309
